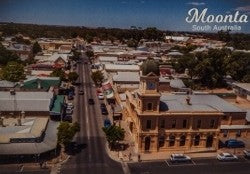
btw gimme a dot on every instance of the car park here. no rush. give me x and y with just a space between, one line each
107 123
233 143
91 101
174 158
246 153
226 157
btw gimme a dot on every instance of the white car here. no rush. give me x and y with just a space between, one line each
69 111
70 105
226 157
179 158
101 96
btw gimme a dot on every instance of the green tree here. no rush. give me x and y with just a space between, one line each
114 134
66 132
72 76
7 56
58 73
36 48
97 77
90 53
132 43
13 72
76 55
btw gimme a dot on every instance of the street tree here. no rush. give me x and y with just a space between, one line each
97 77
13 72
7 56
36 48
58 72
89 53
114 134
72 76
66 132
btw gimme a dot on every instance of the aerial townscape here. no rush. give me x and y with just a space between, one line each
140 100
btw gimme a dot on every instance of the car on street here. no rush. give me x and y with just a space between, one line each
91 101
246 153
107 123
233 143
81 92
100 96
174 158
226 157
104 111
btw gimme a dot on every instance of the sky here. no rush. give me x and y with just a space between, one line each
163 14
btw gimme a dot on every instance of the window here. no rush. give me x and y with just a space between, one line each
184 123
238 134
212 123
183 140
162 125
197 140
198 124
173 123
148 126
171 140
225 132
150 106
161 141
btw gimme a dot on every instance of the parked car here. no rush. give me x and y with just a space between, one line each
101 96
81 92
246 153
69 111
70 106
68 118
179 158
234 143
70 97
102 105
91 101
107 123
104 111
226 157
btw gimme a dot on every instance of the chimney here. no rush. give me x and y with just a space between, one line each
188 100
1 122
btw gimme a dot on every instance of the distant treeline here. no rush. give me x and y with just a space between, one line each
238 41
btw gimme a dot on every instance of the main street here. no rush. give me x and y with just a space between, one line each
93 158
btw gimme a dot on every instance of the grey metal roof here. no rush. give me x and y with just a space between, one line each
126 77
49 143
7 84
200 103
25 101
177 83
245 86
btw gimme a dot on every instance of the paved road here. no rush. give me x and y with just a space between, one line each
198 166
93 158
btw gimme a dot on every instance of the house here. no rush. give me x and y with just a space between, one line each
242 90
28 137
43 83
22 50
